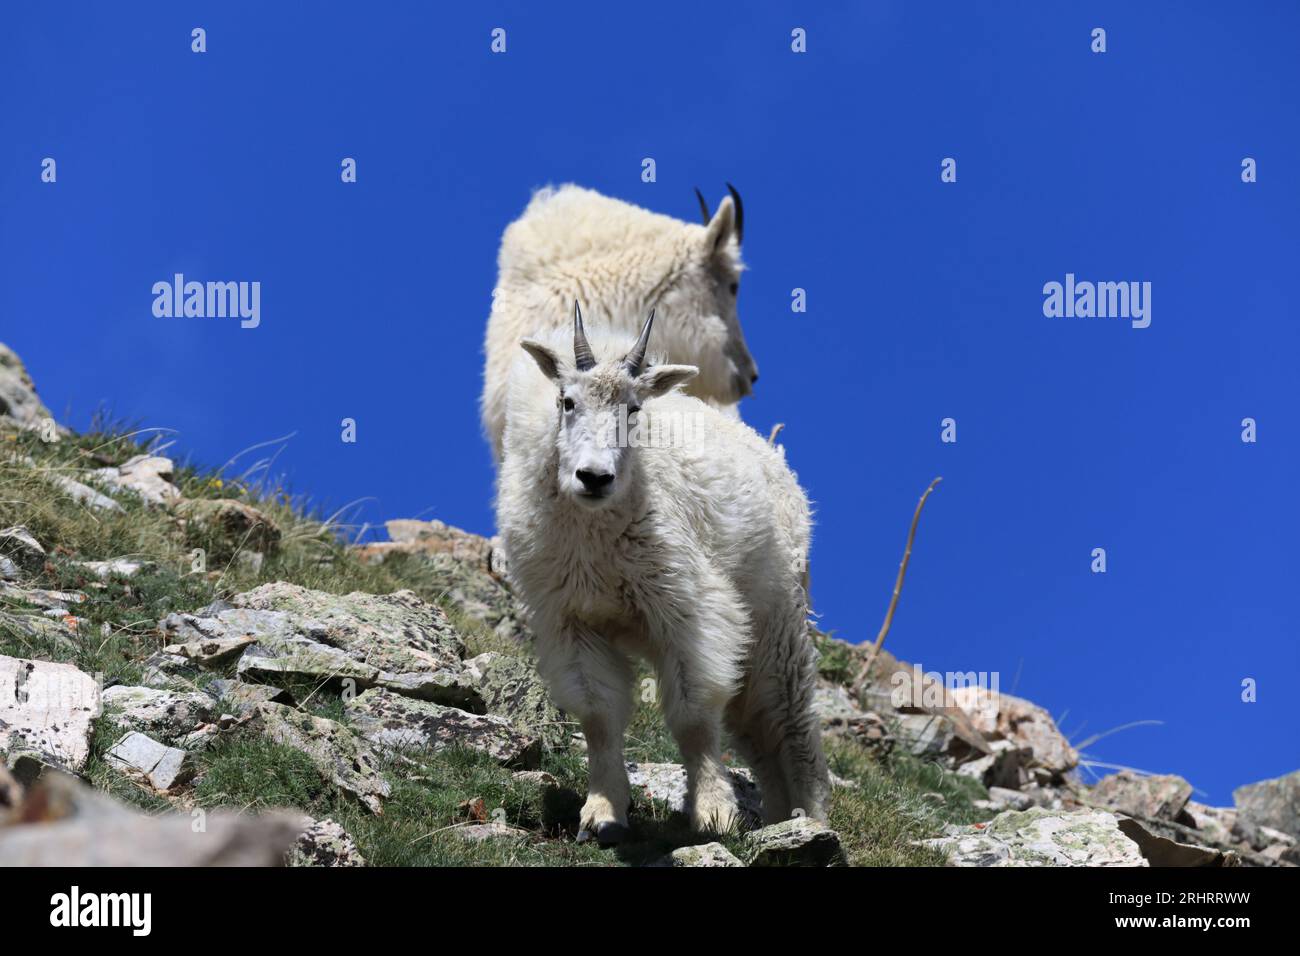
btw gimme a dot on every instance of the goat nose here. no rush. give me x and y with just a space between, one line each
593 481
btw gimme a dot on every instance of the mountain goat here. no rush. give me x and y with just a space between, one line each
686 552
621 260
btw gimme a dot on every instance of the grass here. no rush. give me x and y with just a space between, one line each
880 817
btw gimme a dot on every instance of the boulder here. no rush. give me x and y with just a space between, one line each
324 843
1162 851
800 841
401 723
163 768
165 714
47 709
1158 796
1039 837
510 687
1002 716
148 476
242 699
1272 803
336 752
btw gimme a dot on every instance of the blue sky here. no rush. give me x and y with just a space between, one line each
924 298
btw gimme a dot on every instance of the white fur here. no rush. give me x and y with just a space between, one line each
694 562
619 261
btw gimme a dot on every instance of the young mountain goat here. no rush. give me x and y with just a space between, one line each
687 552
622 261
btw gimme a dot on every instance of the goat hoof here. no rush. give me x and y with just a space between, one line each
605 834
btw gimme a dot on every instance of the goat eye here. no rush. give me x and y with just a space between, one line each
568 404
735 287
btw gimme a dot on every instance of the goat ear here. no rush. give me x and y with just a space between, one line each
720 227
660 379
545 358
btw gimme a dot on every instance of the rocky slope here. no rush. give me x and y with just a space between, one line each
195 671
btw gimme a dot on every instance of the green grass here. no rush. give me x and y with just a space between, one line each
892 805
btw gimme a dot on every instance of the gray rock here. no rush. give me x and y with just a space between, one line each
510 687
1021 722
243 698
336 752
75 826
148 476
706 854
48 709
396 722
84 494
1274 803
165 714
666 782
1039 837
40 630
1161 851
163 768
18 545
118 567
1161 797
324 843
800 841
170 672
8 570
1013 799
1006 767
41 598
18 400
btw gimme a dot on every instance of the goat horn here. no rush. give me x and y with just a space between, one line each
582 356
633 360
704 207
740 213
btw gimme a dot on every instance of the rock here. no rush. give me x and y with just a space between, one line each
118 567
434 537
40 598
40 630
534 778
8 570
1161 851
324 843
304 660
18 401
165 714
1013 799
1007 766
666 782
1021 722
1274 803
170 671
148 476
224 527
479 832
162 767
84 494
26 553
706 854
1214 822
410 642
800 841
1158 796
511 687
395 722
337 754
47 708
243 698
1039 837
67 824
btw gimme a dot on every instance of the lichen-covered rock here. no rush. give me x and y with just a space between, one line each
1159 796
242 699
163 768
706 854
40 598
226 527
148 476
41 631
165 714
1023 723
800 841
511 687
1272 803
666 782
402 723
324 843
18 545
47 709
336 752
1039 837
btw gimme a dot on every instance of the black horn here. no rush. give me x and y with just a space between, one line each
704 207
582 356
740 213
634 359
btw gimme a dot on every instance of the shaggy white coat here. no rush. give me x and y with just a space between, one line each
619 261
697 567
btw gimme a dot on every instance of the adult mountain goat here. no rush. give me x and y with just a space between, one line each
642 522
621 261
